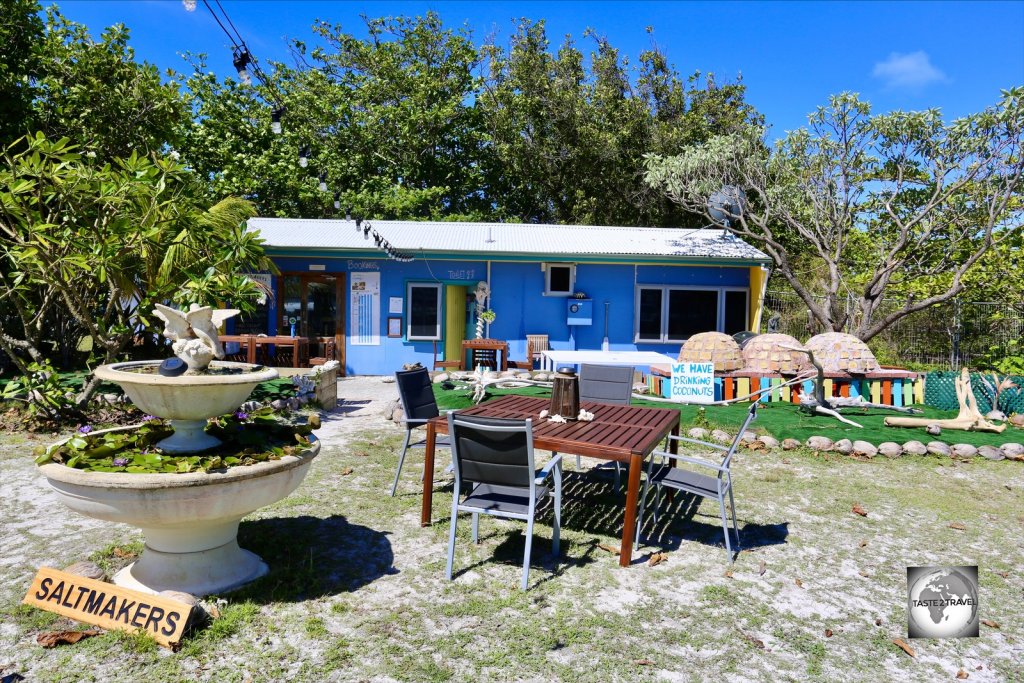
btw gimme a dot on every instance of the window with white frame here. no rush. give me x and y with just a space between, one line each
559 279
423 318
668 313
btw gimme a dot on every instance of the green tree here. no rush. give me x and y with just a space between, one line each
99 243
388 120
899 205
21 34
568 131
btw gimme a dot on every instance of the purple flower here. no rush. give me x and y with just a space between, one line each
84 429
147 418
120 462
242 416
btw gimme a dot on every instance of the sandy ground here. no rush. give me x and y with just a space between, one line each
356 590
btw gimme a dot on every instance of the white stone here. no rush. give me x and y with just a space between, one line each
748 436
844 446
721 436
938 448
698 433
964 450
991 453
769 441
819 443
915 448
1011 450
864 448
933 429
890 449
790 444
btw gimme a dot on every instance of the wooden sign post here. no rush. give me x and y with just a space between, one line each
108 606
693 382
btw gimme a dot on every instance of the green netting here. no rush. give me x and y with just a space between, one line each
940 392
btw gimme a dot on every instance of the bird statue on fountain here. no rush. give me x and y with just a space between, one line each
194 333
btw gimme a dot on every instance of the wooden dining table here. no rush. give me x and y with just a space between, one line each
620 433
251 342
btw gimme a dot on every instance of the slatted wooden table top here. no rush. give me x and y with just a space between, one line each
616 433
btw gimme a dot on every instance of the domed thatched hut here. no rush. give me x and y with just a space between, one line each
718 348
839 352
765 354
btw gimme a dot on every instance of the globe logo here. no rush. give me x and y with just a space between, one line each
942 602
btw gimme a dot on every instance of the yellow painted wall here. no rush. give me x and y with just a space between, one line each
454 320
758 283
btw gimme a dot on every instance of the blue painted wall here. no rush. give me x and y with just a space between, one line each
517 299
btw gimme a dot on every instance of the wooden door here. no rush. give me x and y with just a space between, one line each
454 321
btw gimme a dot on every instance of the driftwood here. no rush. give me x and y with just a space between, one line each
970 418
817 403
478 382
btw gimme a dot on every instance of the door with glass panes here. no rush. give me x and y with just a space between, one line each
313 305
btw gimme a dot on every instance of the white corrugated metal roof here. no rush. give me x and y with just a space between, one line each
507 239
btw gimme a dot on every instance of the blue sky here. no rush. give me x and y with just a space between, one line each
792 55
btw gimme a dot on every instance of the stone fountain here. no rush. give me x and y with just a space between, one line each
190 520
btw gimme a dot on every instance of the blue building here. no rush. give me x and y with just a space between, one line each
388 293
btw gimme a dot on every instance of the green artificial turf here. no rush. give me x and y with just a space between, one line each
783 420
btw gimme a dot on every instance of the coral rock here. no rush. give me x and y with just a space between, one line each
89 570
748 436
844 446
697 433
720 436
939 448
769 441
790 444
1012 450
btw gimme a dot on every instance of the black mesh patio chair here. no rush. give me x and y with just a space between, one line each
669 474
419 406
606 384
493 458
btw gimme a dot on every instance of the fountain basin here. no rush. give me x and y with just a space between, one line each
187 401
190 520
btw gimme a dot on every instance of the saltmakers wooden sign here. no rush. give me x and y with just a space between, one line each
108 606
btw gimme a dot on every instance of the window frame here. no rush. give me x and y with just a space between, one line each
439 289
547 278
665 296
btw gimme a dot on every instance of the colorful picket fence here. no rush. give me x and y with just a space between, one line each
891 391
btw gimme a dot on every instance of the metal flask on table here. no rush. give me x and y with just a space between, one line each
565 394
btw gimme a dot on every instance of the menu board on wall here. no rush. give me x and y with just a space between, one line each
365 307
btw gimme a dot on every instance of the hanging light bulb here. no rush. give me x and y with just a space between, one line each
323 182
359 223
241 60
190 5
348 214
275 120
337 201
376 239
366 232
303 157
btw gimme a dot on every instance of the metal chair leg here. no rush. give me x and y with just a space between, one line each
526 554
476 528
725 526
401 461
451 536
618 475
735 526
557 530
640 514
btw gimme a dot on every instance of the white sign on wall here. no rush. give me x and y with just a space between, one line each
365 307
693 382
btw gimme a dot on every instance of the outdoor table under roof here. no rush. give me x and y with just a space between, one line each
620 433
553 359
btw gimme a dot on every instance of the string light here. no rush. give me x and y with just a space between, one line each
275 120
304 157
241 60
337 201
323 182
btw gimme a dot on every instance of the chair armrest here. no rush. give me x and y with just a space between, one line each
687 459
414 421
687 439
552 464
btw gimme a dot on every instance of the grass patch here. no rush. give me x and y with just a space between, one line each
116 556
781 420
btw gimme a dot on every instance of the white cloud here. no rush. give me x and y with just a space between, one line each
912 70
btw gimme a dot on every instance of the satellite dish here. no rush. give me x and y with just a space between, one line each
727 204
